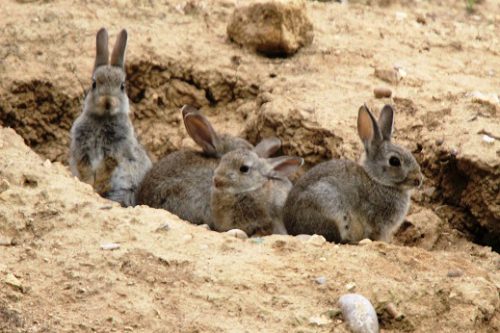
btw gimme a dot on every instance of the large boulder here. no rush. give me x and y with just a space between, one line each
273 28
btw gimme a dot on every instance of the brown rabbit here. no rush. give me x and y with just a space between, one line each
181 181
249 192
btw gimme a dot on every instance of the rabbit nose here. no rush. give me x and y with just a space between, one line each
218 182
108 103
418 180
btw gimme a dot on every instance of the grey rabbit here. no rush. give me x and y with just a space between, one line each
249 192
180 182
104 151
345 201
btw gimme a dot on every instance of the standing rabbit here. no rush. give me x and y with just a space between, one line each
104 150
180 182
345 201
249 192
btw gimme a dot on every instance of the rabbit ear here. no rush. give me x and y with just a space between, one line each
202 132
285 165
187 109
118 55
267 147
367 127
386 121
101 47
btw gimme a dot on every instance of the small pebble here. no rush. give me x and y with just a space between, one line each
47 164
382 92
320 280
303 237
394 312
350 286
237 233
488 139
455 273
205 226
110 246
164 227
316 240
187 238
365 241
320 320
401 16
5 241
11 280
359 313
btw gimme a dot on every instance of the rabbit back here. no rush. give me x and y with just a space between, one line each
180 183
337 199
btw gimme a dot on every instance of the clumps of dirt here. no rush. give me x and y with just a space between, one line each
274 28
41 115
466 193
300 134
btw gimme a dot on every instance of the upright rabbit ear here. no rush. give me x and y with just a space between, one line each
118 55
386 121
202 132
285 165
267 147
101 47
368 128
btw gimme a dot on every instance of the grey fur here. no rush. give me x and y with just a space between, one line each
251 200
104 150
181 181
345 201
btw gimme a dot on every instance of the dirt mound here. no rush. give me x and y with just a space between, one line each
56 277
179 278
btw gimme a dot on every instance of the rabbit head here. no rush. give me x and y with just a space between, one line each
385 162
107 96
243 170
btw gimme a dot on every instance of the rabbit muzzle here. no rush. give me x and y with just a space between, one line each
218 182
414 179
108 103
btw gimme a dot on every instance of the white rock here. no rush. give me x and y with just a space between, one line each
480 97
110 246
238 233
320 320
488 139
359 313
316 240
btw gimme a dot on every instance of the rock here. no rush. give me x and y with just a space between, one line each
316 240
205 226
455 273
303 237
350 286
387 75
365 241
110 246
273 27
237 233
320 280
5 241
382 92
482 98
12 281
319 320
359 313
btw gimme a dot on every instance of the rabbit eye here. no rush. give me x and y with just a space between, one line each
122 86
244 168
94 84
394 161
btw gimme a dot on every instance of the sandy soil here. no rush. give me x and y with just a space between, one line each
55 276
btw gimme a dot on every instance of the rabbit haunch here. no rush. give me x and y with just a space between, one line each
345 201
249 192
105 152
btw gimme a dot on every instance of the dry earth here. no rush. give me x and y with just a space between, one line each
55 277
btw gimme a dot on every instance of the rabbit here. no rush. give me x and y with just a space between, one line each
104 151
180 182
345 201
249 192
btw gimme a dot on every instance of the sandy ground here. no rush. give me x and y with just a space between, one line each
56 277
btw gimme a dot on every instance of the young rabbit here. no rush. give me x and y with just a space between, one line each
347 202
249 192
104 150
181 181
